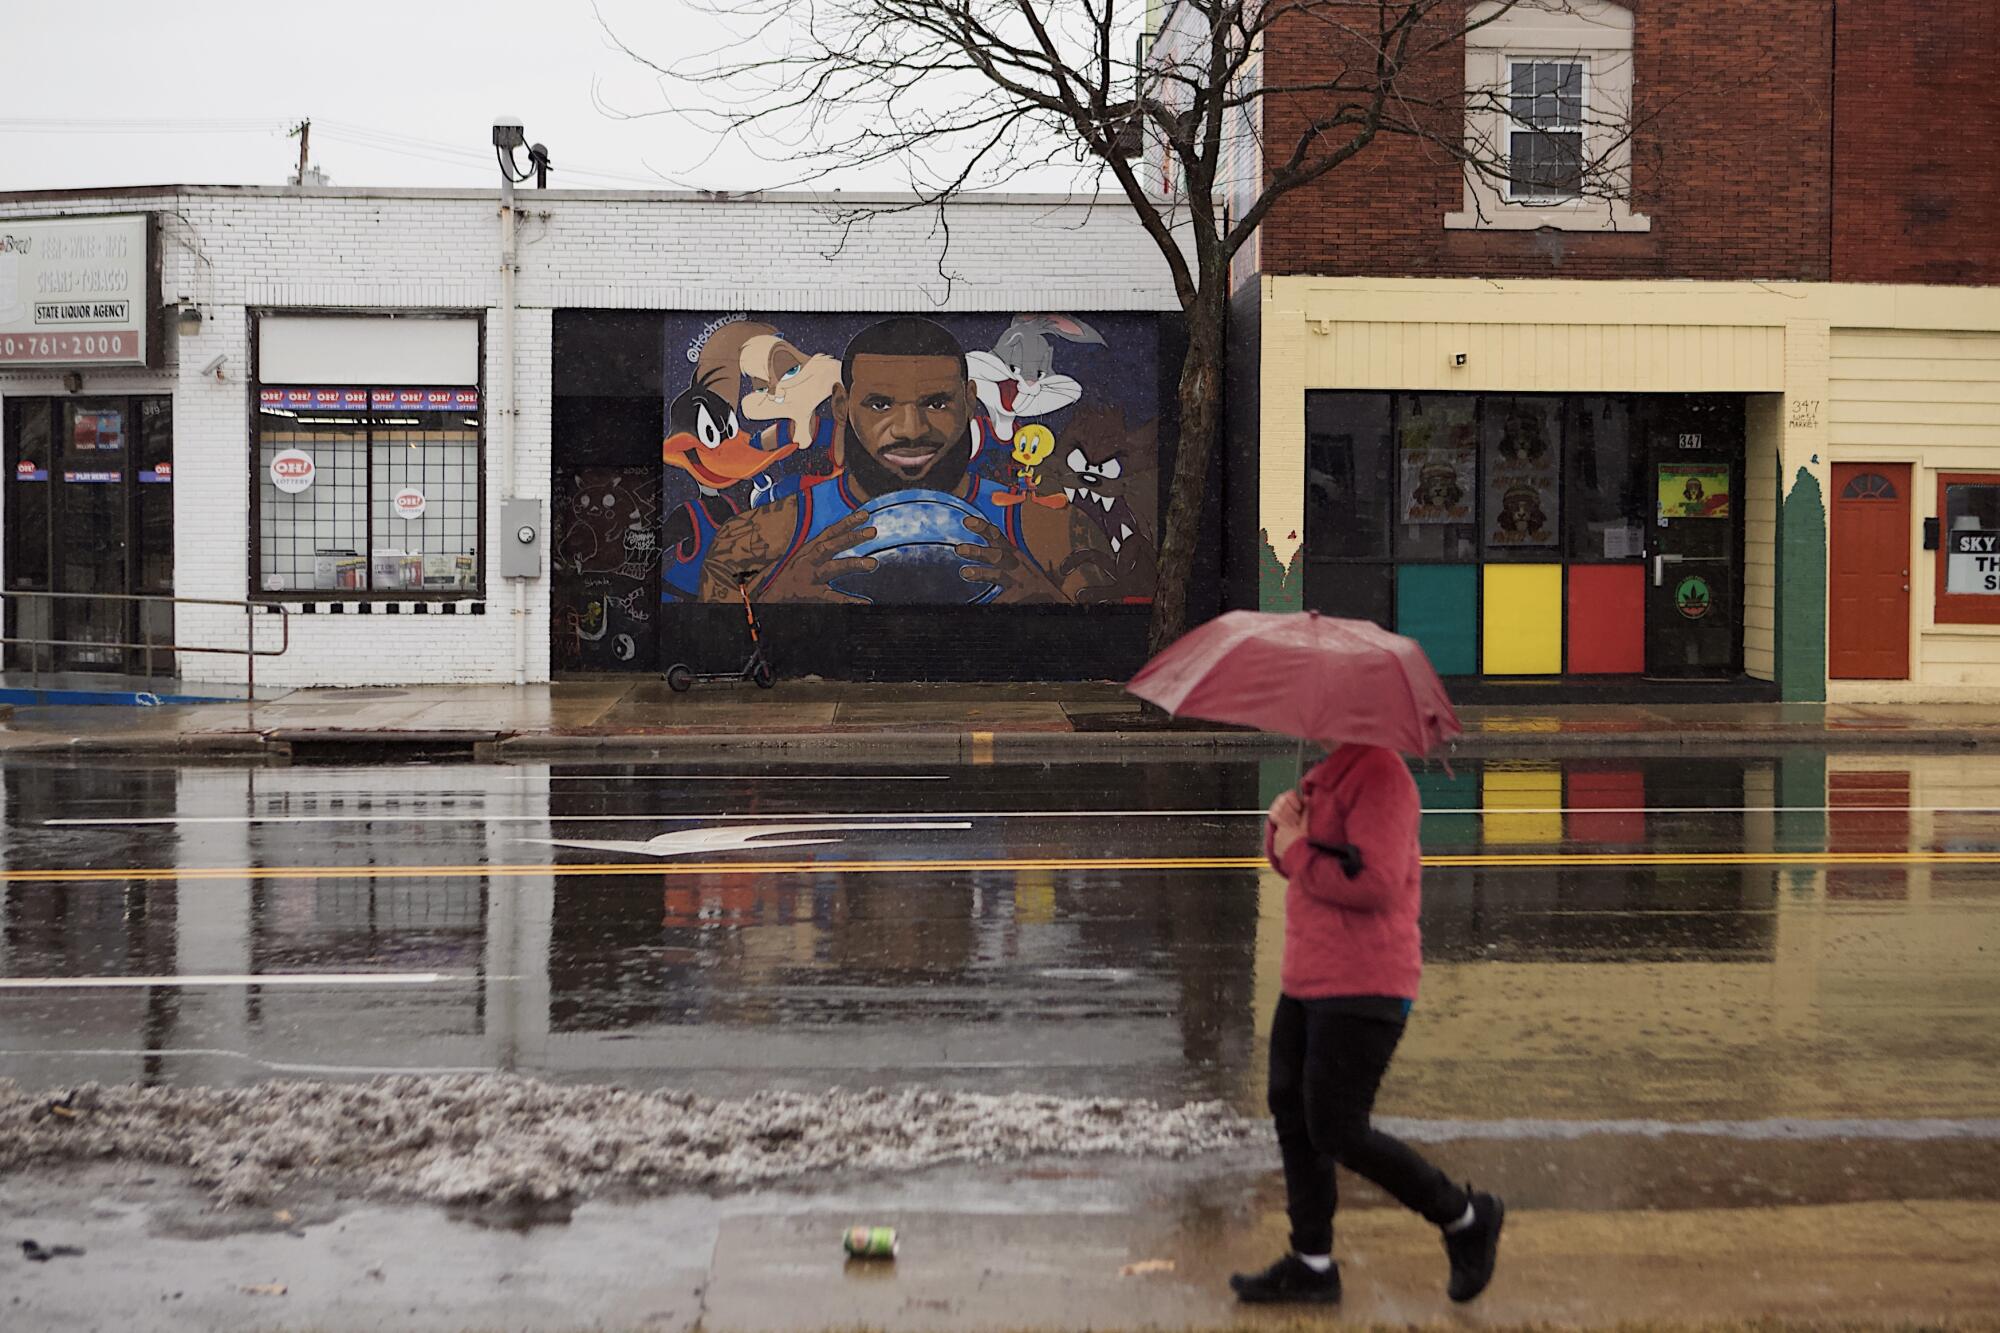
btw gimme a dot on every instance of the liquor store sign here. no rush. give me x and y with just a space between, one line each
76 291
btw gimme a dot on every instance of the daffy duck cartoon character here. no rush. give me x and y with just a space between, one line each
1032 447
707 441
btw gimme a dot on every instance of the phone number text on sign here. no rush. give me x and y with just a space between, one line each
30 347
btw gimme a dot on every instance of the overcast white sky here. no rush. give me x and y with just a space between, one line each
400 92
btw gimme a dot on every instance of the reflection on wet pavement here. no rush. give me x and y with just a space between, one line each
1090 928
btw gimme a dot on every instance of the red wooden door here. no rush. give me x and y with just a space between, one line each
1868 585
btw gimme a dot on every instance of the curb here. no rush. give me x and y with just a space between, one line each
965 746
279 747
1514 744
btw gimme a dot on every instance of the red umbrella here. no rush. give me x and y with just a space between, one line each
1306 675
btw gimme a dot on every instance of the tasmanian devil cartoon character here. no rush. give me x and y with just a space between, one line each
706 440
1017 379
1099 463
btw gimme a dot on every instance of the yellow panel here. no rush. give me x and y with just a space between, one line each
1523 613
1534 789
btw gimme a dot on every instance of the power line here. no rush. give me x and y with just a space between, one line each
148 125
411 145
348 132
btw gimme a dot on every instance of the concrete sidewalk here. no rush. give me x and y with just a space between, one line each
1107 1244
638 718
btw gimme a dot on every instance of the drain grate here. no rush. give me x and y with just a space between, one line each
380 747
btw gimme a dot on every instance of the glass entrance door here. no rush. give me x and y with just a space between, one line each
1694 547
90 538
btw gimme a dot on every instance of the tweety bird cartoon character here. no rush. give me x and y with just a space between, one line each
1032 447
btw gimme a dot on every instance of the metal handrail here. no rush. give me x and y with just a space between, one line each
250 652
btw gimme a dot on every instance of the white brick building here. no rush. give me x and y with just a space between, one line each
233 252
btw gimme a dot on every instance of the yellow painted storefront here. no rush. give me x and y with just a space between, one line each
1827 374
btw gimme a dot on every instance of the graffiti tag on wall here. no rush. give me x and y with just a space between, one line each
961 460
606 564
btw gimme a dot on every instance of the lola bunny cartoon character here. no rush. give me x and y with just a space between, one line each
1016 378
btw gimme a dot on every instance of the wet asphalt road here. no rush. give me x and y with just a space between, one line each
1723 1027
1678 939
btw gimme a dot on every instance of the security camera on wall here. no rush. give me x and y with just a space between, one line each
215 364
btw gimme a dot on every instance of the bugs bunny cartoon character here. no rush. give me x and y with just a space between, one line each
1015 380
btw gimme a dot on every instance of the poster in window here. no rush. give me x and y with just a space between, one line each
1521 483
1439 484
1439 467
1694 490
98 432
1972 563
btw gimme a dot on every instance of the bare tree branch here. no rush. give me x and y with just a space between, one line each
960 95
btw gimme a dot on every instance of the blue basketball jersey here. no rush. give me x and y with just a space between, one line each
681 570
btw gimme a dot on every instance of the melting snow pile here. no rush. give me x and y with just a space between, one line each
504 1138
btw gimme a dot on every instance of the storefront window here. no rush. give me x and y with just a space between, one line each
1348 471
1521 448
1437 499
1520 529
368 491
30 454
154 557
1969 549
1604 493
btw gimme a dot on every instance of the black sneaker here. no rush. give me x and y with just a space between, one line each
1288 1282
1474 1250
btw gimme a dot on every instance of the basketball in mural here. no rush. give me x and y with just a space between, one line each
915 549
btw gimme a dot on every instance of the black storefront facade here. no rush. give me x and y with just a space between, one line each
90 513
1540 546
1076 429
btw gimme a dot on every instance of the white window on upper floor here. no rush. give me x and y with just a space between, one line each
1548 121
1545 129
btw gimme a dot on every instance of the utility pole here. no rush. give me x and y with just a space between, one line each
303 130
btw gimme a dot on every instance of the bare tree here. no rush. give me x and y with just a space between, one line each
959 95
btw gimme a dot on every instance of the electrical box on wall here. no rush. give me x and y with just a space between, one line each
521 539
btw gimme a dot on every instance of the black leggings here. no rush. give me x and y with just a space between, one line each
1326 1062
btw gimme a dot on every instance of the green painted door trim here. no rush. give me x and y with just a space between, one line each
1802 592
1279 588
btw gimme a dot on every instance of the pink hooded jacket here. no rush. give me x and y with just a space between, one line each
1354 936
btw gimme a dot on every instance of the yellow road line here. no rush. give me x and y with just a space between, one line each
1470 860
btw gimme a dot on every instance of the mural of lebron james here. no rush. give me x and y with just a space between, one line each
908 520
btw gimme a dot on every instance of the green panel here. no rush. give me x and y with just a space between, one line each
1443 791
1438 606
1802 593
1279 588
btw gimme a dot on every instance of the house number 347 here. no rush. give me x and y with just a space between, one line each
1805 412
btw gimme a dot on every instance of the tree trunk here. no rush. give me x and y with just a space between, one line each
1201 421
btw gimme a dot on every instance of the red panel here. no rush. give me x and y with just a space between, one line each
1607 620
1620 794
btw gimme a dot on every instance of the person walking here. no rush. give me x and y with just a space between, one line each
1347 843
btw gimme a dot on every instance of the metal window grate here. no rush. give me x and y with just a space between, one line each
393 502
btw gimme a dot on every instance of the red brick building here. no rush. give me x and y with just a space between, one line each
1678 395
1916 135
1793 139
